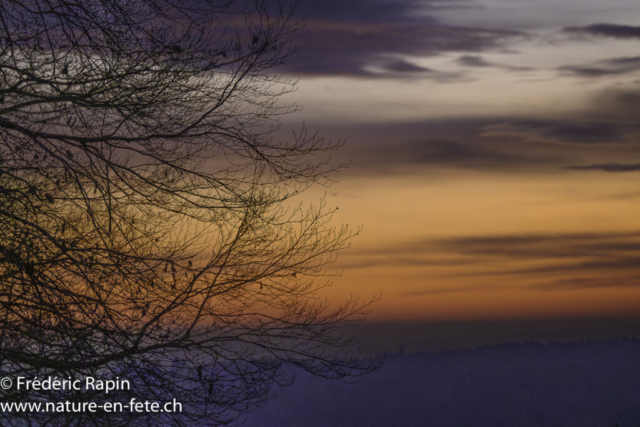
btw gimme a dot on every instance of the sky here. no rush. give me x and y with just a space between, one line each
494 148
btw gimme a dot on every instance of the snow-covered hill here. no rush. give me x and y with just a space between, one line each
593 384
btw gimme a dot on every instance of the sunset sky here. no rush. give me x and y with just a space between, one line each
495 152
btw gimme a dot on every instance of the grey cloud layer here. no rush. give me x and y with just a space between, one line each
558 262
382 38
607 30
606 67
368 38
500 145
571 131
545 262
478 61
608 167
378 38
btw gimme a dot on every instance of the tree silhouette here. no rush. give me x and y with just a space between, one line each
148 229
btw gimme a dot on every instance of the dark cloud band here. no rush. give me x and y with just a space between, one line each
608 167
607 30
359 38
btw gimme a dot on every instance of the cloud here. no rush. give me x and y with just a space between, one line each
367 10
405 156
545 262
579 283
607 67
478 62
599 138
603 267
542 246
400 66
559 132
445 290
618 104
608 167
514 247
473 61
625 60
606 30
369 38
493 145
395 258
452 152
552 262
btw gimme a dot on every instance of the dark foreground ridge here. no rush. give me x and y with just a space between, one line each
587 384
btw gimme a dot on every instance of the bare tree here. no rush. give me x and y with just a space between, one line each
148 229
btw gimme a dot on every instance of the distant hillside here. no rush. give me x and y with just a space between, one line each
594 384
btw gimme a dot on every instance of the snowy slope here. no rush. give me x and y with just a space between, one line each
593 384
